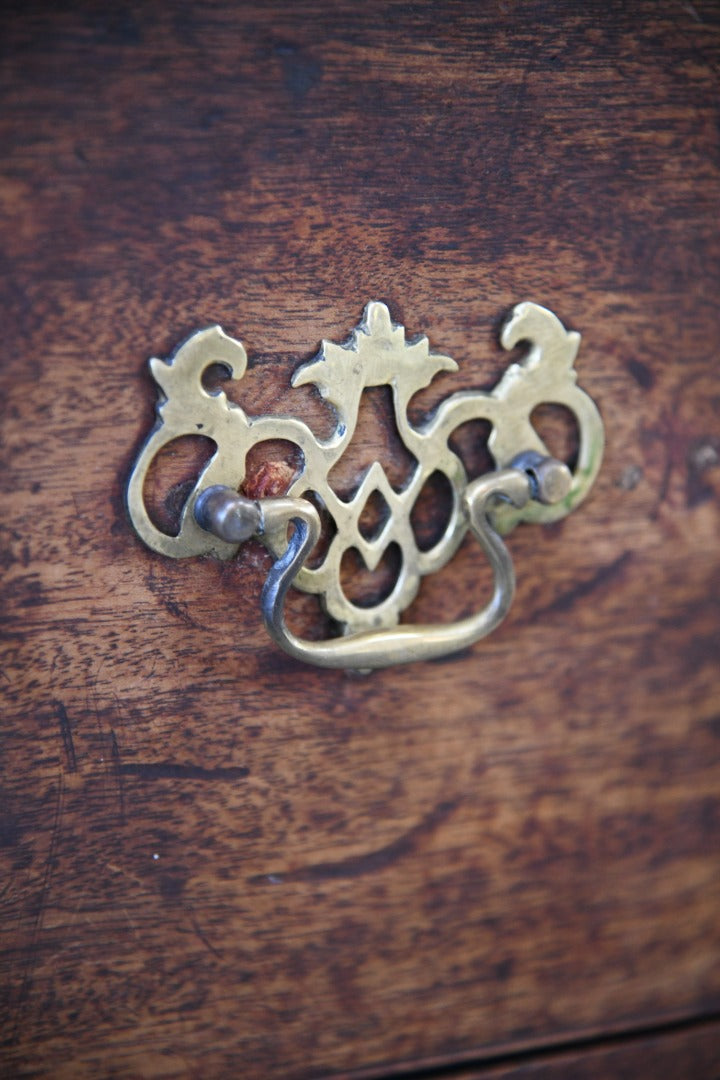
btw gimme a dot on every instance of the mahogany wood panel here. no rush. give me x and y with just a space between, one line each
219 863
672 1055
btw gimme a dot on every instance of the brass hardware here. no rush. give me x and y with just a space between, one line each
528 485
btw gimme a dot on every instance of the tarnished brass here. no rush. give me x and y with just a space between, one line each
528 485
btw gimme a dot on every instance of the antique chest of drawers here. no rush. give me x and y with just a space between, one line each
218 861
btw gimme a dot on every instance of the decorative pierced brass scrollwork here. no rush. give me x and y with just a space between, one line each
528 485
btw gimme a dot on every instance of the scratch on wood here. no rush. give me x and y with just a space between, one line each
179 611
369 862
170 770
692 11
205 940
32 951
601 577
66 736
117 766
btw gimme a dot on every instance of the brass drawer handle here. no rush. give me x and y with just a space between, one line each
528 484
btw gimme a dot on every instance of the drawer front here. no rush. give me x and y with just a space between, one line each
218 861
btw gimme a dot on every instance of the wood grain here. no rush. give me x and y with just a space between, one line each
671 1055
219 863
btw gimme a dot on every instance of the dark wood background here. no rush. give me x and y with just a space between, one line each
217 862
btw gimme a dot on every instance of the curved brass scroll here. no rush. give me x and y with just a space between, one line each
377 354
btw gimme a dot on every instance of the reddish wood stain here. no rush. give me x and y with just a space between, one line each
215 862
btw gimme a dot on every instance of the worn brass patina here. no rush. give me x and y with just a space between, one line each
528 485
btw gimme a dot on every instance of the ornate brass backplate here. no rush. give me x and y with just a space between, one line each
528 486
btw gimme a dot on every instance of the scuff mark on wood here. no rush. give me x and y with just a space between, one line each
31 953
66 736
369 862
171 770
204 938
117 767
601 577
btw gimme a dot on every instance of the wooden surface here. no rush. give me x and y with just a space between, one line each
219 863
677 1054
